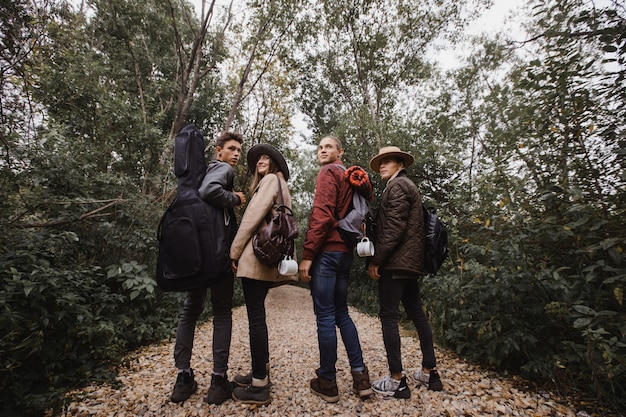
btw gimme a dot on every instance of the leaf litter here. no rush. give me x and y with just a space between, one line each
146 382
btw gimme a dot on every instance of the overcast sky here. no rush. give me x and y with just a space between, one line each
500 15
503 14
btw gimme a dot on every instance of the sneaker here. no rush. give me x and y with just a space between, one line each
431 379
220 390
183 388
252 394
324 388
390 387
361 383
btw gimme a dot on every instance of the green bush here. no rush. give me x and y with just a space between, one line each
66 323
544 299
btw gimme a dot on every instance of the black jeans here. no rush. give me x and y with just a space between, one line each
222 305
255 292
391 292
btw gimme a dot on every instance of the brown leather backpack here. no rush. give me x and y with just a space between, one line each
275 241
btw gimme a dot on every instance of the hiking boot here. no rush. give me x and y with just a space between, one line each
183 388
324 388
390 387
361 383
431 379
245 380
220 390
252 394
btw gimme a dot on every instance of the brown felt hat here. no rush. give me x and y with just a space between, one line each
393 152
255 152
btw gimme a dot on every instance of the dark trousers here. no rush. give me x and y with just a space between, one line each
222 305
391 292
255 292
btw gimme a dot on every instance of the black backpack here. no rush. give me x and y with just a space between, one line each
436 242
189 255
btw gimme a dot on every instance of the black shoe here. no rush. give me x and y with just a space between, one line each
220 390
434 382
183 388
430 379
253 395
243 380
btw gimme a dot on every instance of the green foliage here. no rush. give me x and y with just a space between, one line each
363 292
545 298
359 57
66 321
83 197
524 161
537 231
73 301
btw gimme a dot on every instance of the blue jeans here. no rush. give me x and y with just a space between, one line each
222 304
330 277
391 292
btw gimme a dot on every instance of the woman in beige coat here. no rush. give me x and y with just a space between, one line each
257 278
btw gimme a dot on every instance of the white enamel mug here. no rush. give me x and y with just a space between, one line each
288 267
365 248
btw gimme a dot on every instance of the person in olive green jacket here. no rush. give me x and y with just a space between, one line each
397 264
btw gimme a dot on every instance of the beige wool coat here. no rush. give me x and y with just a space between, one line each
264 199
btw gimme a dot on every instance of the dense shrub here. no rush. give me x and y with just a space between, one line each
65 322
544 299
541 298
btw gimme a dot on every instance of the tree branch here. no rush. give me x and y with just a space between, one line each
93 213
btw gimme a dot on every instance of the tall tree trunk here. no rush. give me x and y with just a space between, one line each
192 69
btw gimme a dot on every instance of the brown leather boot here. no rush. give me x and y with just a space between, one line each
361 383
325 388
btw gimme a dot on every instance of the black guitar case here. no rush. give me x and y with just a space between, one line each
188 257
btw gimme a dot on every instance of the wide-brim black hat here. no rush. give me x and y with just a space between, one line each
255 152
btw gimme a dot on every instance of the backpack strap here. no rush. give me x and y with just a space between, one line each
281 201
345 209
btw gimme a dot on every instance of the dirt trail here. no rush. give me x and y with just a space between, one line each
147 382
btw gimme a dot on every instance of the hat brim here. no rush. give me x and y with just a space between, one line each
255 152
406 157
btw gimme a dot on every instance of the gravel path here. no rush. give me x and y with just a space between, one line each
468 391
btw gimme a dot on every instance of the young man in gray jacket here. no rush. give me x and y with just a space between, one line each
217 191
